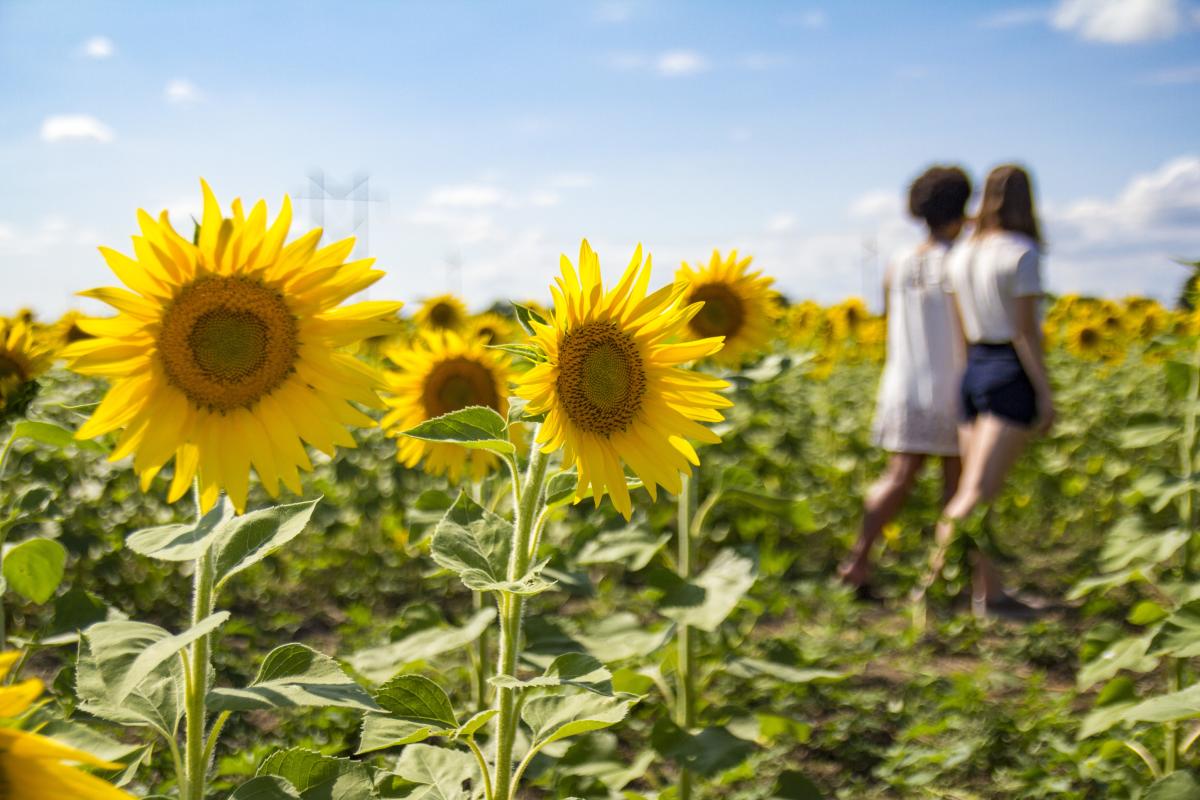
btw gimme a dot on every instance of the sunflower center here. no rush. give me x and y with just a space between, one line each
228 341
443 315
601 378
457 383
1089 337
723 313
10 367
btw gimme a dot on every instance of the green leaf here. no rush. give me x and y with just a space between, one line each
416 698
76 609
87 739
1129 653
1179 635
708 600
244 541
793 785
444 770
785 673
526 316
528 352
266 787
34 568
185 542
1115 699
127 652
1136 437
476 427
380 663
1146 612
708 752
634 547
570 669
320 777
476 722
294 675
380 732
1129 544
772 504
1179 377
157 702
555 717
1181 785
53 435
561 487
475 543
1170 707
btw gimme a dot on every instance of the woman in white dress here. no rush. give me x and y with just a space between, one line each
917 412
1006 396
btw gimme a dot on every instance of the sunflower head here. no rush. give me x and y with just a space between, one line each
23 357
1087 340
739 305
492 328
613 386
445 312
847 317
228 351
440 373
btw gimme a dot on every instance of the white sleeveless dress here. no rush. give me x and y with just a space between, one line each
918 405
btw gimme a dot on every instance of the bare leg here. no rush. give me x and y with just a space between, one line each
884 501
951 472
994 447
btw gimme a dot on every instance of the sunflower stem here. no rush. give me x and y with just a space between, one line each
196 753
685 697
511 608
3 536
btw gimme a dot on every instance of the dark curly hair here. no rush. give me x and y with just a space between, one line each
939 195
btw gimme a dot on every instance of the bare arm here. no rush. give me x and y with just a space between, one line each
1027 341
958 331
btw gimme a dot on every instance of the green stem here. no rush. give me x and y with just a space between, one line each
1171 735
685 709
511 607
12 437
488 792
479 659
195 751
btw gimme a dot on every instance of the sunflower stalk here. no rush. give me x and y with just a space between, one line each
196 750
685 696
529 507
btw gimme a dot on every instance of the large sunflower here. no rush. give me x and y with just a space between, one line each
225 354
23 357
612 387
444 372
738 305
445 312
33 767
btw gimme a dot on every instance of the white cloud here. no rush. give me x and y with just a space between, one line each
467 195
781 223
63 127
181 92
1015 17
51 232
1120 21
544 199
680 63
877 204
572 180
99 47
1174 76
812 19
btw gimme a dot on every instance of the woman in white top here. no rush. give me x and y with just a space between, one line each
917 411
1006 394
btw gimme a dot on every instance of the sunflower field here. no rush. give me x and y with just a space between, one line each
262 541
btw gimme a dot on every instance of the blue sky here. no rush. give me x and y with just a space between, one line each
496 135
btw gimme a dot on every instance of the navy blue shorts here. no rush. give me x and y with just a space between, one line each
996 383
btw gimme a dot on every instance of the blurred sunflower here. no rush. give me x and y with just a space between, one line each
492 328
225 354
803 322
445 312
67 330
738 305
444 372
847 317
34 767
23 357
1086 339
612 387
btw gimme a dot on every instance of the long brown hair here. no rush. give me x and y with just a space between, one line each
1007 203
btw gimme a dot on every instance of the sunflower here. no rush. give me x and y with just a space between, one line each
847 317
1086 339
33 767
23 357
445 312
444 372
492 328
225 354
612 387
738 305
67 331
803 322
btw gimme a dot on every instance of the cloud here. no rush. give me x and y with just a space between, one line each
467 195
781 223
64 127
544 199
572 180
98 47
1120 21
680 63
613 13
1015 17
877 204
811 19
181 92
1174 76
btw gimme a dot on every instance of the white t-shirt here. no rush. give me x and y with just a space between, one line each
987 274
